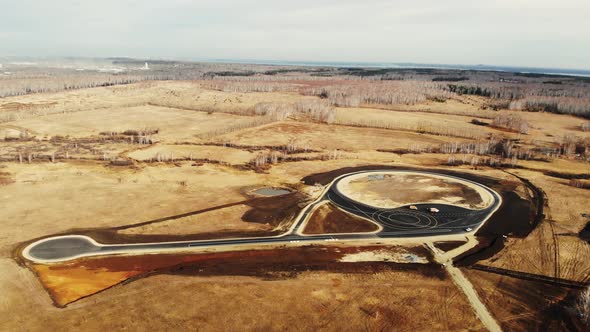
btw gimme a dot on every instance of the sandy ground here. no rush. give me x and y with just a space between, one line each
399 189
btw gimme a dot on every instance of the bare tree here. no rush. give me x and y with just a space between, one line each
512 122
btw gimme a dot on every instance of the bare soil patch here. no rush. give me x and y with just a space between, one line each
329 219
71 281
393 190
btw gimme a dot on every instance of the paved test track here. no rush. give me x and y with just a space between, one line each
396 223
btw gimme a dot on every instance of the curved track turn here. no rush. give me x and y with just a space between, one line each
395 223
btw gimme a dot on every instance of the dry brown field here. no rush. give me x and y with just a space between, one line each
186 169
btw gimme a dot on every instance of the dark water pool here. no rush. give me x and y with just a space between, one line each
272 191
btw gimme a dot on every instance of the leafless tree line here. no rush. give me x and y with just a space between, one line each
250 123
476 148
579 183
15 86
304 110
577 91
474 161
167 156
142 136
293 146
420 127
377 92
244 87
564 105
502 152
275 110
48 78
516 89
24 156
513 122
315 111
210 109
494 153
33 110
272 157
263 160
573 145
353 91
281 78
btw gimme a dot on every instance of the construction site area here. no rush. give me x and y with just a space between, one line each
287 198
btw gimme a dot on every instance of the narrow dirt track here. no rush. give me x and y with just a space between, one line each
464 284
480 309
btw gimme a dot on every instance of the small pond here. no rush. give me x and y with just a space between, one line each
272 191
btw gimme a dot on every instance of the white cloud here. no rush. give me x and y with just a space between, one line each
508 32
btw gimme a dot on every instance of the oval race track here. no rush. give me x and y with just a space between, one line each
396 223
403 221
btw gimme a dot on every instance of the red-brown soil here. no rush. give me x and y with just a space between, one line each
70 281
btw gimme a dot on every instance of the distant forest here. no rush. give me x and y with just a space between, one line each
344 86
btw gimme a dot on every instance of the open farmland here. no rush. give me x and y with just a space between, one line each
176 125
233 188
331 137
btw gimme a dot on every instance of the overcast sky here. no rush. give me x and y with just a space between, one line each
547 33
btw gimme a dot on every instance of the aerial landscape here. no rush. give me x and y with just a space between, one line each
220 192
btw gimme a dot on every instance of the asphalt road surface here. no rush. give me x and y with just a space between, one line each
396 223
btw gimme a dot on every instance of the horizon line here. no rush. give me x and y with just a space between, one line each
326 63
